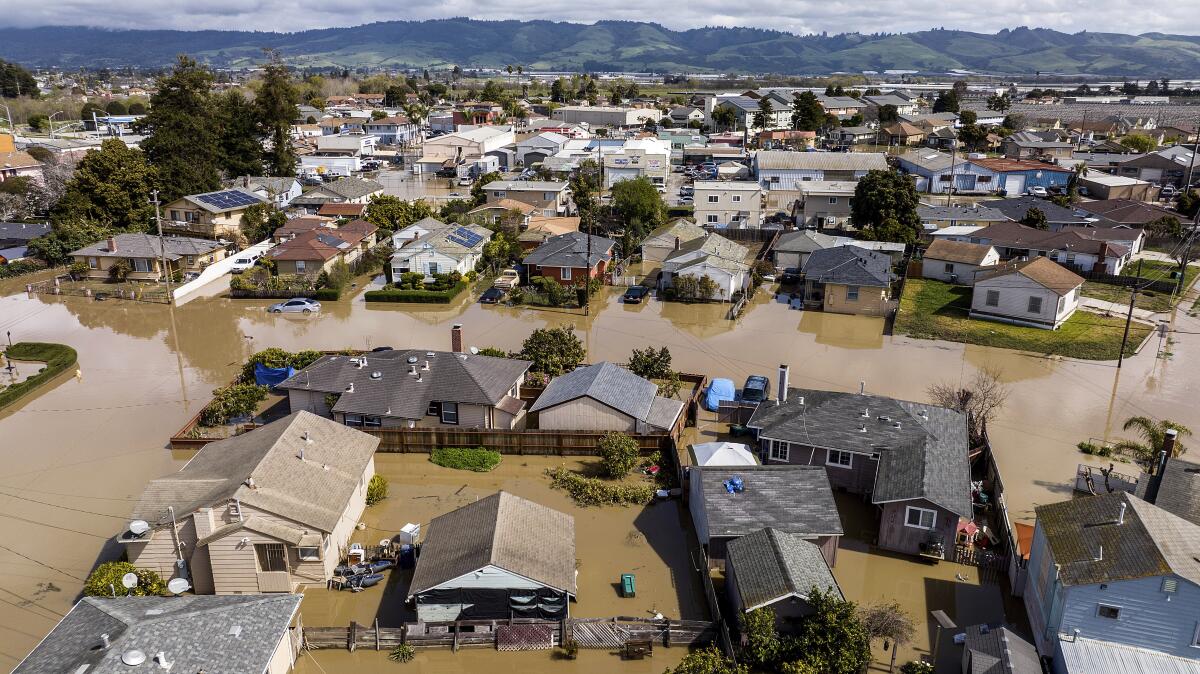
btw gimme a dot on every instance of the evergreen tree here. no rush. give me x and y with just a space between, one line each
111 187
947 101
182 129
807 113
16 81
241 150
885 207
276 105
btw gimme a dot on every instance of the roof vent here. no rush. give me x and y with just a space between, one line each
1121 514
426 366
412 360
924 414
105 640
350 387
235 631
1170 585
376 375
418 376
307 438
428 354
133 657
862 428
161 659
866 413
884 418
896 424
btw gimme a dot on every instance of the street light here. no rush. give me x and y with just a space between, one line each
50 121
8 117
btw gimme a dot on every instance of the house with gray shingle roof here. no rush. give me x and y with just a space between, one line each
1116 569
713 257
497 558
777 570
849 280
114 635
270 510
909 458
568 258
412 387
144 255
790 498
998 650
606 397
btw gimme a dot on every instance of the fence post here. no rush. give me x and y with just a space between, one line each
352 641
377 634
403 633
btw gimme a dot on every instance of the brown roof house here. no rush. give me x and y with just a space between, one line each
316 250
957 261
410 388
500 557
1035 292
270 510
541 228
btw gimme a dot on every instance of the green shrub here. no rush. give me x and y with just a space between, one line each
21 267
377 489
416 296
108 576
238 400
1094 449
619 454
476 459
276 357
590 491
916 667
402 653
57 357
326 294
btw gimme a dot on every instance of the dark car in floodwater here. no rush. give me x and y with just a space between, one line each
491 296
635 294
756 389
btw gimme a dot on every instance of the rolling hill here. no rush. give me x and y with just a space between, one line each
619 45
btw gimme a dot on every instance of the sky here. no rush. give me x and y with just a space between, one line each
796 16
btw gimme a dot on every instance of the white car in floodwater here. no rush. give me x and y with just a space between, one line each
296 305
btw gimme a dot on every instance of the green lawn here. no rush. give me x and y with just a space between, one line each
1148 299
935 310
57 358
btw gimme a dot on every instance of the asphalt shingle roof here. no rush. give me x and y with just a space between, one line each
1046 272
1179 492
1090 546
570 250
770 564
827 161
313 491
13 232
515 534
615 387
1000 651
922 448
849 265
1015 209
794 499
451 377
957 251
194 632
145 245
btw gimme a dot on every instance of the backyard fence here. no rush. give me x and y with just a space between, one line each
516 634
723 638
65 285
534 442
1110 481
1166 286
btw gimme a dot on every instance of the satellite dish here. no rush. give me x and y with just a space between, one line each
138 527
133 658
474 350
178 585
129 580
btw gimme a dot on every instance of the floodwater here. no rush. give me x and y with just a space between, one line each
76 455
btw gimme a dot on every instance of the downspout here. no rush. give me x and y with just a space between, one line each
175 534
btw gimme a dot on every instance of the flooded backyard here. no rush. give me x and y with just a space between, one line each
77 453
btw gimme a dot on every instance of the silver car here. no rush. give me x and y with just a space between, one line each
296 305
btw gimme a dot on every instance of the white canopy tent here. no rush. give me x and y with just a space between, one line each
723 454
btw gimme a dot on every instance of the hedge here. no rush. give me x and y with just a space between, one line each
327 294
57 357
416 296
590 491
476 459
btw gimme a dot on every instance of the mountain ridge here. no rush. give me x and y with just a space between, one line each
619 45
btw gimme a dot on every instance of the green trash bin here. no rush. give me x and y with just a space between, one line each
628 586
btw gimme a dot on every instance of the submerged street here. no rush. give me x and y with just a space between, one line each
80 451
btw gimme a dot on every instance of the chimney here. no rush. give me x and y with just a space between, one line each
1169 441
783 380
112 244
862 387
1121 513
677 243
1156 476
456 338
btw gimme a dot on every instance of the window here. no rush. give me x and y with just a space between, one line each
271 557
191 260
1196 637
498 194
839 459
949 268
1035 305
1110 612
779 451
174 215
712 218
943 178
299 266
450 413
737 198
833 200
775 179
434 410
564 273
851 293
1070 258
920 518
547 196
713 198
309 554
432 268
91 263
372 422
353 420
992 299
141 264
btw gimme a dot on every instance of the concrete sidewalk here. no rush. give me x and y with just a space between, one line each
1101 307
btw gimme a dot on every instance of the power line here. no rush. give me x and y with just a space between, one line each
56 505
52 568
53 526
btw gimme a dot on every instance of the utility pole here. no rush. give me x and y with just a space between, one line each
162 246
1187 187
587 284
1187 253
1128 321
953 157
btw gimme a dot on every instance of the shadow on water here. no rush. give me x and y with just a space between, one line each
666 528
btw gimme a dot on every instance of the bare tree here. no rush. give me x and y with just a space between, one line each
889 622
979 399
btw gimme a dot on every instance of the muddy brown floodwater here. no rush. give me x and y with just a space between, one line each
75 455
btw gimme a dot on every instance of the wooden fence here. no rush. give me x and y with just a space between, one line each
536 442
723 638
1166 286
512 635
65 285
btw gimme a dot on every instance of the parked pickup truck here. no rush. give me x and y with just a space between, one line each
507 280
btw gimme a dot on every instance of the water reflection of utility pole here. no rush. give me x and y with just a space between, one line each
1112 404
178 358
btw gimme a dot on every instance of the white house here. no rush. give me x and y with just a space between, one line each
403 237
663 241
714 257
784 170
280 191
733 204
638 158
957 262
1034 292
453 248
455 148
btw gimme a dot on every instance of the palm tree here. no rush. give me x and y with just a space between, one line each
1154 435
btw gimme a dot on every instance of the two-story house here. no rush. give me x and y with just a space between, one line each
413 388
271 510
908 458
785 170
1114 569
552 198
392 130
733 204
211 215
279 191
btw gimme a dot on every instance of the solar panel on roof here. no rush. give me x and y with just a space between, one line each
228 199
464 237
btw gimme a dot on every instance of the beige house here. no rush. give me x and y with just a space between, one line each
849 280
605 397
824 203
144 254
212 214
957 261
551 198
271 510
733 204
662 241
1036 292
411 388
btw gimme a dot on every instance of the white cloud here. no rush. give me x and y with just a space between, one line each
799 16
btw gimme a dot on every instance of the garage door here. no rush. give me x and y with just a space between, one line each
1014 185
532 158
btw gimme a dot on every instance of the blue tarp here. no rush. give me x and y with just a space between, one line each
718 390
271 376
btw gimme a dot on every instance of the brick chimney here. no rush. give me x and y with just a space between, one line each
1169 439
112 244
456 342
